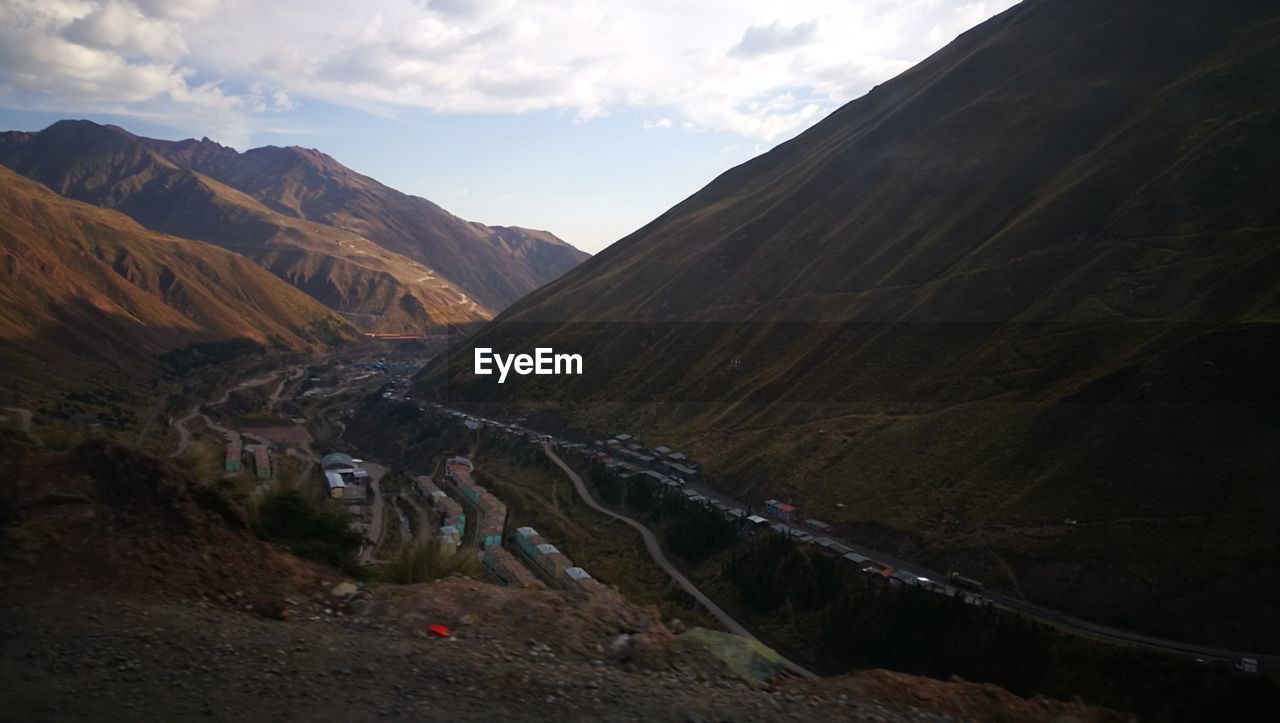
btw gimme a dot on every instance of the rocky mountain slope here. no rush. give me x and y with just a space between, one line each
107 166
388 261
1011 313
494 265
85 287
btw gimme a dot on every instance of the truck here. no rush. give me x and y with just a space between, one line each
959 580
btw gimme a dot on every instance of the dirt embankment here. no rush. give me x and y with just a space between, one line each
131 594
104 518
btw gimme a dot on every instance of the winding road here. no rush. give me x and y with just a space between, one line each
184 435
655 551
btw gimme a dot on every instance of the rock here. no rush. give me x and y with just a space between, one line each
620 647
677 626
344 589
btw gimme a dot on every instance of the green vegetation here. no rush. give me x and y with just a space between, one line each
330 331
307 530
202 459
694 531
424 562
816 610
194 356
773 570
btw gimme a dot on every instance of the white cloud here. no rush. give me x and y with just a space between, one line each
751 67
119 26
774 38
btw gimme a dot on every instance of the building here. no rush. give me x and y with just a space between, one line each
262 462
523 536
448 544
508 569
580 579
661 451
335 485
818 525
472 493
555 564
337 459
425 487
450 512
490 533
530 545
232 464
451 532
551 559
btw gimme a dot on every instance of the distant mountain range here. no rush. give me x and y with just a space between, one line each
1013 312
88 292
386 260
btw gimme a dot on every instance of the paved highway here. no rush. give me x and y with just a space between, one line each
1200 653
655 551
1082 627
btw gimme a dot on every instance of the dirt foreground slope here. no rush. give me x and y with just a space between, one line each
130 595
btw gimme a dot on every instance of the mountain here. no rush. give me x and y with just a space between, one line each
494 265
388 261
89 291
110 167
1012 313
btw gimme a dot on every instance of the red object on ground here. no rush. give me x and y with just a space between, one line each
440 631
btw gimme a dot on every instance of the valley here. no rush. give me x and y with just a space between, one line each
942 389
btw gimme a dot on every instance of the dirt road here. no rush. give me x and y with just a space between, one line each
655 551
377 513
184 435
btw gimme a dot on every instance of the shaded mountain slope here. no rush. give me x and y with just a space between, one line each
1033 279
110 167
494 265
84 286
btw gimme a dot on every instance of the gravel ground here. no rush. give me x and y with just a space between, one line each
100 659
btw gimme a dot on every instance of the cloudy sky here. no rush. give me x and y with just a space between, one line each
584 117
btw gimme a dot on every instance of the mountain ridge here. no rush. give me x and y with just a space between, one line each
87 287
1030 279
267 220
309 184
